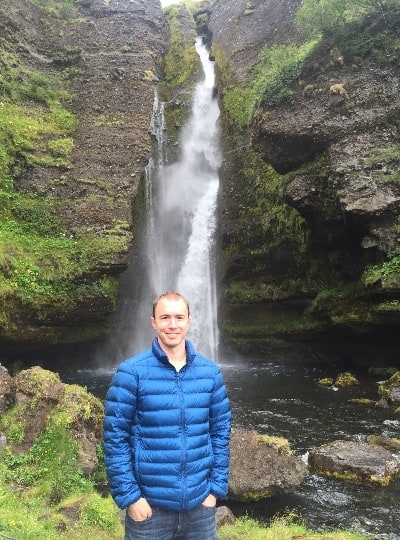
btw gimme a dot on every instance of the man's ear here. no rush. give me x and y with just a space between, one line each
153 322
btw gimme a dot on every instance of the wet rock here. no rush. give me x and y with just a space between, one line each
261 467
224 516
390 389
385 442
355 462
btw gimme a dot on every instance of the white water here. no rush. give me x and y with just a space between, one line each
181 199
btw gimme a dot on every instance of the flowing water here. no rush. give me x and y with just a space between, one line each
274 396
283 398
177 244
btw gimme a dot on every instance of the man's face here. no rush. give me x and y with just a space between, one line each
171 321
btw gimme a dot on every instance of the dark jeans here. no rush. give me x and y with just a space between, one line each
196 524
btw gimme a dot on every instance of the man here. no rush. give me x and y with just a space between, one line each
166 433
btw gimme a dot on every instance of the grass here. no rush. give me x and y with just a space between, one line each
284 527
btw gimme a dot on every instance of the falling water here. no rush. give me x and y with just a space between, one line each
179 236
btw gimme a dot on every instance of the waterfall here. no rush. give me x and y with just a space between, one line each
178 245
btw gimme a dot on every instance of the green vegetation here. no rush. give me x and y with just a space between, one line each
330 18
284 527
387 273
181 61
44 265
181 66
264 219
352 28
61 8
43 491
270 85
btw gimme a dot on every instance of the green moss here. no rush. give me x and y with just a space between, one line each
280 444
387 273
13 425
35 267
385 388
181 61
346 379
270 82
328 381
61 8
77 406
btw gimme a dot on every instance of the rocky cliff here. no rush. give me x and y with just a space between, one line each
66 196
310 182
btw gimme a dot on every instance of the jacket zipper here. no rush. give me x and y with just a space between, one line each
183 437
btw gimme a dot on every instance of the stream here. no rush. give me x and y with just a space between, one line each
284 398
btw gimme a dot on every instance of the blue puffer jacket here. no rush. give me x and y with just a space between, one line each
166 433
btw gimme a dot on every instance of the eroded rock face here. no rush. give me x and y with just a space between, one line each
106 56
355 462
333 147
259 470
113 48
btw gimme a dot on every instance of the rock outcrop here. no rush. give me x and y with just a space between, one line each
355 462
40 400
310 192
106 57
261 466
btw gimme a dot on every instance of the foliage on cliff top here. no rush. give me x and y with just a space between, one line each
60 8
331 18
353 28
271 83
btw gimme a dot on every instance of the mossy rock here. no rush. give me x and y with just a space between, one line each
327 381
346 379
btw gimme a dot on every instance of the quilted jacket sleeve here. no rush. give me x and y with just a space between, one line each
120 410
220 428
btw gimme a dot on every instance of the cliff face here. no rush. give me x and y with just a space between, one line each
310 183
104 56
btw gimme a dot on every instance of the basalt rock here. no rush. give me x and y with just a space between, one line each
106 56
7 390
261 466
355 462
310 195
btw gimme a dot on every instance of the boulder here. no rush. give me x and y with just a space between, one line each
42 399
261 466
7 390
224 516
390 389
355 462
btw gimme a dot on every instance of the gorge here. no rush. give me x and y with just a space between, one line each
307 247
308 200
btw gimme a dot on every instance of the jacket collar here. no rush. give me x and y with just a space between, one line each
160 354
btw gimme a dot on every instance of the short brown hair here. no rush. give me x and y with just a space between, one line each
172 294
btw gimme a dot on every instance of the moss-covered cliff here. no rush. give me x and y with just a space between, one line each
310 182
77 84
